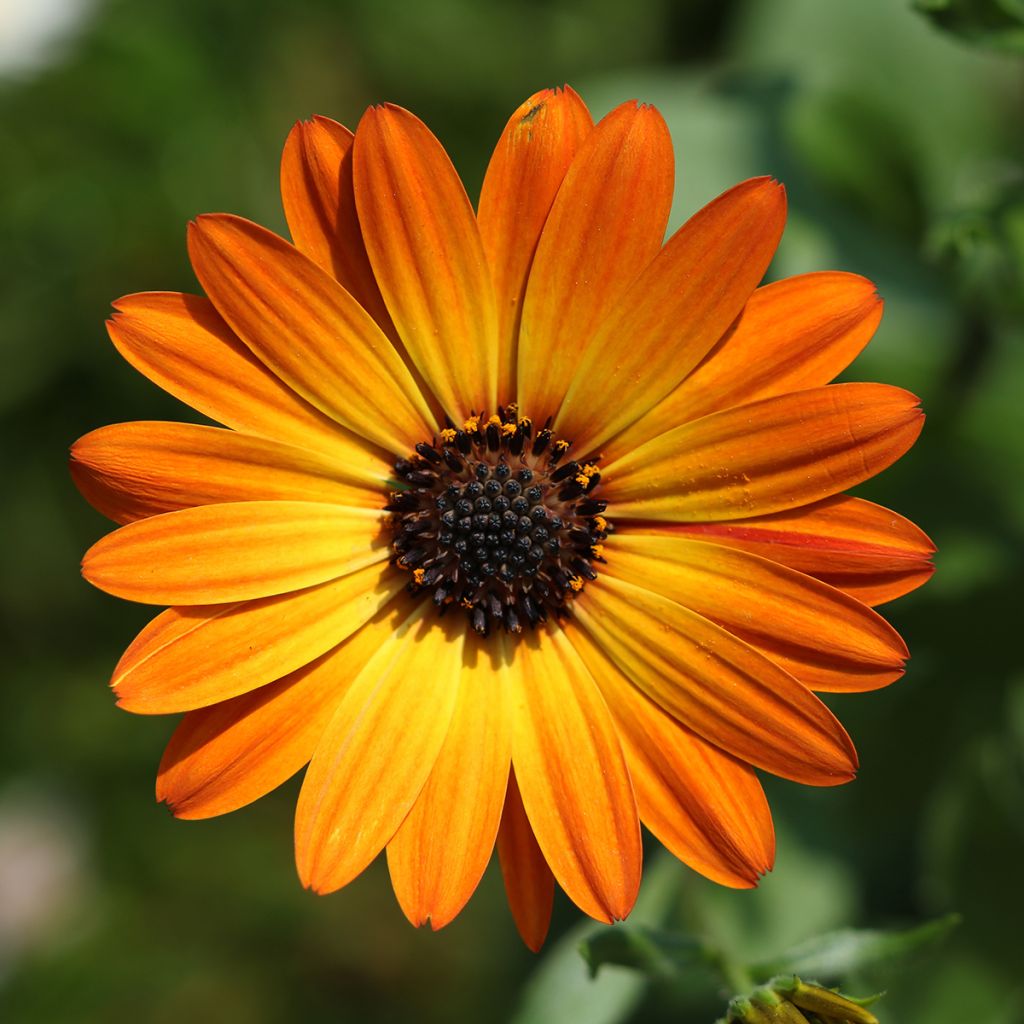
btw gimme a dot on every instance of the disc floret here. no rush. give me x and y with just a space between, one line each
497 520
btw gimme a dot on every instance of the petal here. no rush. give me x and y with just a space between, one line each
438 855
716 685
869 551
320 207
674 312
424 245
236 551
181 344
129 471
706 807
573 777
607 223
766 604
772 455
308 330
529 884
378 750
792 335
225 756
528 165
191 657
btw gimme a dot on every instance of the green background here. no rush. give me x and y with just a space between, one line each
898 136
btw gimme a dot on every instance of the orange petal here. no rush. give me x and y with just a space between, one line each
573 778
424 245
767 604
225 756
191 657
438 855
529 884
308 330
528 165
792 335
869 551
706 807
772 455
236 551
181 343
320 207
607 223
673 313
378 750
129 471
716 685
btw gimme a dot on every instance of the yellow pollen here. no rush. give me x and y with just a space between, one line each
589 470
526 423
467 604
494 421
508 429
471 424
576 583
601 523
582 479
597 551
447 435
560 447
418 575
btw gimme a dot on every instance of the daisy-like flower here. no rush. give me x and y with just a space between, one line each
523 526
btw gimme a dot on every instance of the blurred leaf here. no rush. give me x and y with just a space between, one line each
656 952
998 23
838 954
563 987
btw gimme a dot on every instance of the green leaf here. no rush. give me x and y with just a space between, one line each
840 953
997 23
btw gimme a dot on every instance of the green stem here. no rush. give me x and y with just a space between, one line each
735 975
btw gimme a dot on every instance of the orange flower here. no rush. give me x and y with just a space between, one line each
634 622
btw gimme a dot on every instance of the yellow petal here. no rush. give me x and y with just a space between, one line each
794 334
772 455
673 313
760 601
706 807
129 471
607 223
190 657
225 756
525 172
378 750
181 344
716 685
439 853
308 330
320 207
236 551
573 777
424 245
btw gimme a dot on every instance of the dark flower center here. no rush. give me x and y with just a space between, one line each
498 521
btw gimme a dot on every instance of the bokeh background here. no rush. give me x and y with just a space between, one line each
897 131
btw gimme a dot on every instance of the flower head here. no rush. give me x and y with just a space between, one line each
523 526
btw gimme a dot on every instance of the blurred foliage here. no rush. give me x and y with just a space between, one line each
900 146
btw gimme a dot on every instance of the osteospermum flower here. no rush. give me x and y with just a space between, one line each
525 527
